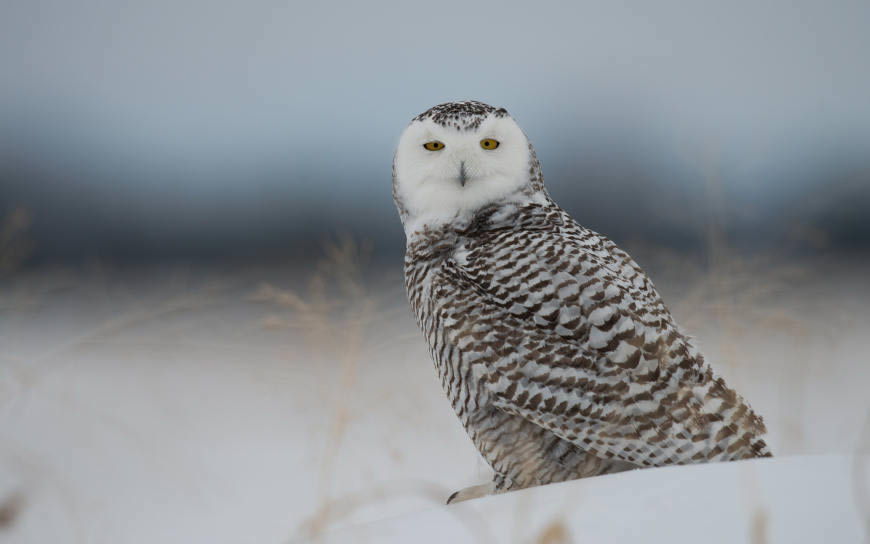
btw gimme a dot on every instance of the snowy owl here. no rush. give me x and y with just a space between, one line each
554 348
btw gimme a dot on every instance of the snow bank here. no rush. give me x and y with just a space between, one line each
184 405
788 499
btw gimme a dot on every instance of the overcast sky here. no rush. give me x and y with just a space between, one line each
164 118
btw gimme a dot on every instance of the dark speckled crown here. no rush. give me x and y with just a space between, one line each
467 115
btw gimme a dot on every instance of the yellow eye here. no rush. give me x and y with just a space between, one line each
489 143
434 145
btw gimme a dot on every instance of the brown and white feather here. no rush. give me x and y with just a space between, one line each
555 350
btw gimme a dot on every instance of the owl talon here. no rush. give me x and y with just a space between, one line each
473 492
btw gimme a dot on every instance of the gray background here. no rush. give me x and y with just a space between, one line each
136 130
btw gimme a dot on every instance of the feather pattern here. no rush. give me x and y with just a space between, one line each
553 346
535 321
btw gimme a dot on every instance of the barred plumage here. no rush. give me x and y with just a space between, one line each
553 346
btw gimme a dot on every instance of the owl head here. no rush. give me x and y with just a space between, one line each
457 158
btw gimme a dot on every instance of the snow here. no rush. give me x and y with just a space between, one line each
789 499
192 404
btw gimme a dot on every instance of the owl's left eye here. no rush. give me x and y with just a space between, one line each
489 143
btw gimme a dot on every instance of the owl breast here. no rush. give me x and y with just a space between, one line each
521 453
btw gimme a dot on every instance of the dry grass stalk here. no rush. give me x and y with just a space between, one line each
554 533
758 526
15 246
10 510
334 317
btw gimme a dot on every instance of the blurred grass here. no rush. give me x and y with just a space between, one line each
15 245
15 248
334 317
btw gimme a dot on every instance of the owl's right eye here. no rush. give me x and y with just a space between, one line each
434 145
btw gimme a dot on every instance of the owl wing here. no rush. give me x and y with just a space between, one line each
563 329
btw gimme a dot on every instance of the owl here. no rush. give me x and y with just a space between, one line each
552 345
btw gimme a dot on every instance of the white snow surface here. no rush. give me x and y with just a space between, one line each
232 404
789 499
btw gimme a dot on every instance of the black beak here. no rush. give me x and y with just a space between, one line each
462 177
